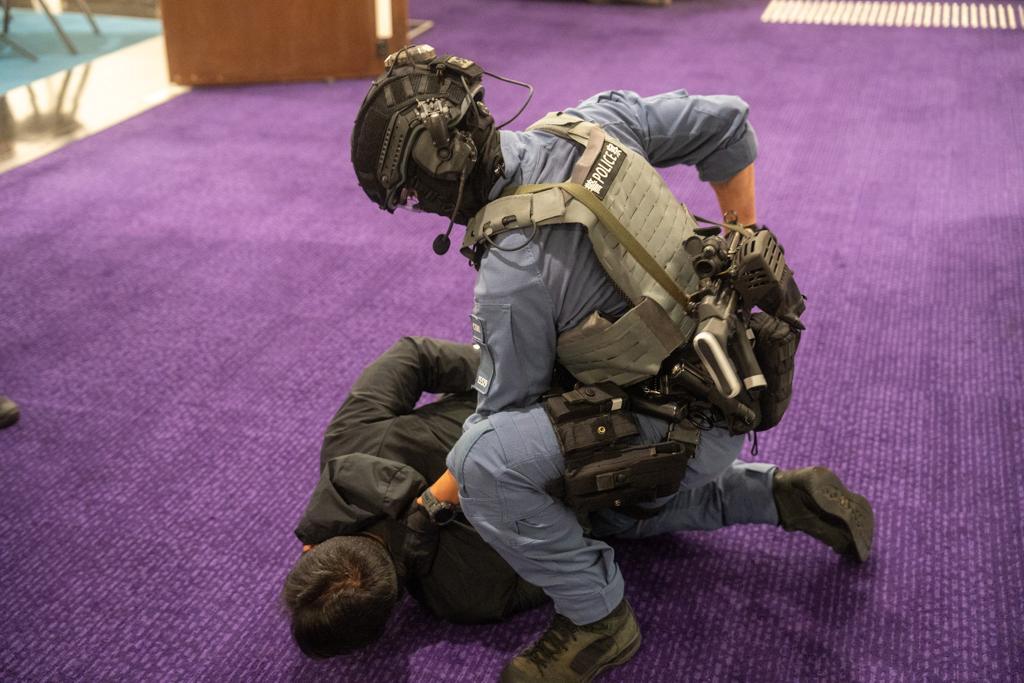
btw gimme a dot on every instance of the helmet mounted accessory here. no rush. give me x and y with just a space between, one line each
420 132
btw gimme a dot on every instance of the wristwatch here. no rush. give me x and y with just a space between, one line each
440 512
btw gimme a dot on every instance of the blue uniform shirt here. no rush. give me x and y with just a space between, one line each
535 287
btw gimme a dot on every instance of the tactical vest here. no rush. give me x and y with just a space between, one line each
611 184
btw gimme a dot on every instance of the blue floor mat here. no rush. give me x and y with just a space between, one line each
34 32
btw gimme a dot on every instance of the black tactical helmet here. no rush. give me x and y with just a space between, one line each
421 131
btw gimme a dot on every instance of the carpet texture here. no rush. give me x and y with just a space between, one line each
188 296
34 32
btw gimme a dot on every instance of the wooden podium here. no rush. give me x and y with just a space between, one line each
246 41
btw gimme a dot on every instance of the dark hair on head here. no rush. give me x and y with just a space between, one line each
340 595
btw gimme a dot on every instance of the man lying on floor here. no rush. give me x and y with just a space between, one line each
373 527
366 537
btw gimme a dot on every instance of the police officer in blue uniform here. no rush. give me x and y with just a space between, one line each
424 134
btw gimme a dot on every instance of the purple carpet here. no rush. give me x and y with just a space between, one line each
188 296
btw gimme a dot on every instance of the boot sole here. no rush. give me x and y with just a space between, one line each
620 659
851 509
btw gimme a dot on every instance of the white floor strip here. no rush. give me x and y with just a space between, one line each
860 13
890 17
790 11
999 16
781 11
795 12
876 10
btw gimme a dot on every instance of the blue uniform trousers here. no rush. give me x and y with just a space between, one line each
503 464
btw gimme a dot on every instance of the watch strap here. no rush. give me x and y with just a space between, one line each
440 512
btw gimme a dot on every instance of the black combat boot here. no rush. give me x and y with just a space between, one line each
567 652
814 501
9 412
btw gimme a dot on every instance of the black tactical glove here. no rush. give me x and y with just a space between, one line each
420 543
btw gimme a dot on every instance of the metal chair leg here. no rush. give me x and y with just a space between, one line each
60 31
10 41
77 99
84 7
18 48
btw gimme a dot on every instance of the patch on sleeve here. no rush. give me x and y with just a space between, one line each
606 167
485 371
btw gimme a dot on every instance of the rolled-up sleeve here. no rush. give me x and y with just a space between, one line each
710 132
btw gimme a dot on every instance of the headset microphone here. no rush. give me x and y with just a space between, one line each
442 243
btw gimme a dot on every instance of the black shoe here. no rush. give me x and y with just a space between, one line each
9 412
567 652
813 500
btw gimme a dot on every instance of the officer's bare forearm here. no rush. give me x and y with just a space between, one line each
737 194
445 489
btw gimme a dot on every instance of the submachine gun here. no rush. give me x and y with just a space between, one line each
734 348
738 369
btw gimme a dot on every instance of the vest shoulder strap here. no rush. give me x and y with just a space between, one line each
565 126
628 241
550 203
536 205
587 134
542 205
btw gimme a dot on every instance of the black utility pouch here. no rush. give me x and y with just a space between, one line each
635 475
775 348
604 464
589 418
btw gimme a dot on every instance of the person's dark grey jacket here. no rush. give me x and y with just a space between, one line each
380 451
